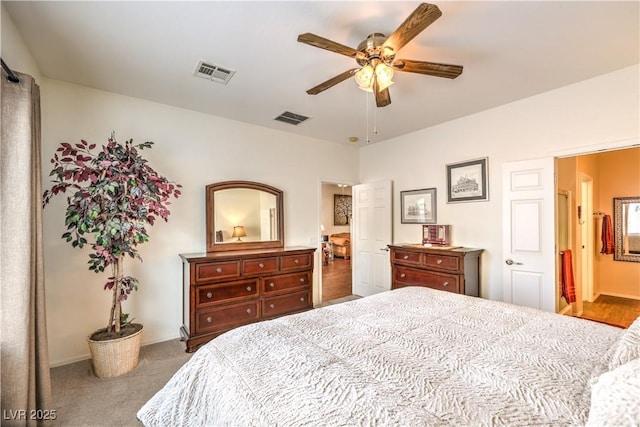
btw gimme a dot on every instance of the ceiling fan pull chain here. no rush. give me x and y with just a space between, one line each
375 121
366 102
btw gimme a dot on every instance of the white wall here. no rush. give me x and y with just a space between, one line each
193 149
14 51
597 111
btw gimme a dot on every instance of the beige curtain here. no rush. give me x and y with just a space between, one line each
26 385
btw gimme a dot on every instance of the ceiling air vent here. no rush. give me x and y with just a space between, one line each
291 118
214 73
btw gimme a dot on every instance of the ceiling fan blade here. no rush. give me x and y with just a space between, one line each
428 68
383 98
322 43
332 82
421 18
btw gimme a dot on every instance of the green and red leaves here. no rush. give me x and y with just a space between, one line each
115 195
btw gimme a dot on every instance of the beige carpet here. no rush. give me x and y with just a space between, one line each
81 399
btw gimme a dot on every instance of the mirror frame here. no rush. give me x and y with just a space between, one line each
618 254
210 190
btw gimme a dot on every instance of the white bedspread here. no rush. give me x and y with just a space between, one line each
408 357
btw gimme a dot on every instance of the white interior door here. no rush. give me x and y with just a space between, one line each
372 227
529 233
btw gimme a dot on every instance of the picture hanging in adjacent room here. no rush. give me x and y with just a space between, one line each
341 209
467 181
418 206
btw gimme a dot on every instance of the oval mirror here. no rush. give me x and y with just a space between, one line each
243 215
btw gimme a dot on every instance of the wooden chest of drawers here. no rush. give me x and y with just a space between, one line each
224 290
454 270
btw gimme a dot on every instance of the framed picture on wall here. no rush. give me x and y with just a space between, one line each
418 206
341 209
467 181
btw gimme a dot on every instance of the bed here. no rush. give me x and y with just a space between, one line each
409 357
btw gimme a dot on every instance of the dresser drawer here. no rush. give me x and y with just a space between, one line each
285 282
409 277
407 257
224 293
289 303
208 271
225 317
442 262
295 262
259 265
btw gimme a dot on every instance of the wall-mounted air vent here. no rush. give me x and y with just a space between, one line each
214 73
291 118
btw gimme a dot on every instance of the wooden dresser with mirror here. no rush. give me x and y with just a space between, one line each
247 274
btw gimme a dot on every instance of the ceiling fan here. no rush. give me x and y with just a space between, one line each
376 56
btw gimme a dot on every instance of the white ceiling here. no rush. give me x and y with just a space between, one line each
509 49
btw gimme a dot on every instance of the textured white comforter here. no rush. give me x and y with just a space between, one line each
408 357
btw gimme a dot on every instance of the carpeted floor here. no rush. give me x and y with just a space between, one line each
81 399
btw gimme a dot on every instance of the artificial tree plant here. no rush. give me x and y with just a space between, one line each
116 195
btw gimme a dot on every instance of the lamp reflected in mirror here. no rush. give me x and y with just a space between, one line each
238 231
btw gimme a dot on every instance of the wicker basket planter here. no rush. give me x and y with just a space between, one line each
115 357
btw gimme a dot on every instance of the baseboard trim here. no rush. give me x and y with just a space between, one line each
614 294
87 355
565 310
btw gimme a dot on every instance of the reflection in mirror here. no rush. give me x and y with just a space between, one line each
626 213
243 215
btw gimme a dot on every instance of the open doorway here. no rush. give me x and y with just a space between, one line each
336 231
607 290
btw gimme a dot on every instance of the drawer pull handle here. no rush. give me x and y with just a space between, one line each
209 319
272 285
302 299
406 257
439 261
219 270
297 261
248 310
248 288
402 275
209 295
302 280
272 306
445 284
261 265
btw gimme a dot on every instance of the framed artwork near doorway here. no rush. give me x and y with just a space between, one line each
467 181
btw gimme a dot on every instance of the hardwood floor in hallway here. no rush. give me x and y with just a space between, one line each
612 310
336 279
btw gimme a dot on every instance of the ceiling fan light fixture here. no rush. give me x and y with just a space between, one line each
376 56
364 78
384 76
